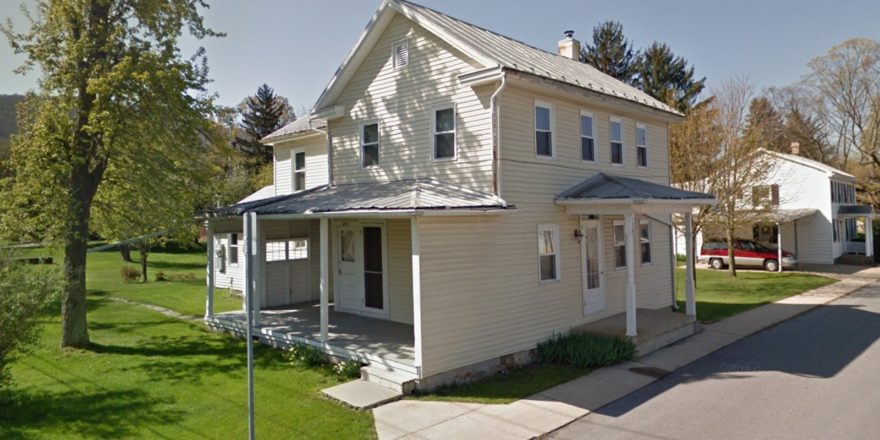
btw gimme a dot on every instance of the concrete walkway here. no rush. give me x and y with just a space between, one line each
563 404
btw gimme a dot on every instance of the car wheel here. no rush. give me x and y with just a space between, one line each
771 265
716 264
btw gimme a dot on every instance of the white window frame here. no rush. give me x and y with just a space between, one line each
611 121
454 132
590 115
405 43
361 127
640 126
294 171
616 244
649 240
290 255
272 255
548 106
232 249
554 231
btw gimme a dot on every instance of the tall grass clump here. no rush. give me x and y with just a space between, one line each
586 350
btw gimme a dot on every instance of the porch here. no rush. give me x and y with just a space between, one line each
655 328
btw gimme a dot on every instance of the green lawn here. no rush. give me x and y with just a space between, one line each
151 376
719 295
507 387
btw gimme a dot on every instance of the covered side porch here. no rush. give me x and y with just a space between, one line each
856 231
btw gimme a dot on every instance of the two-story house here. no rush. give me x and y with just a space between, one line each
455 198
813 212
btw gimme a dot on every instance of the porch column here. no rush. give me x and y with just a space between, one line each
324 243
251 272
628 232
209 302
778 247
416 290
869 236
690 303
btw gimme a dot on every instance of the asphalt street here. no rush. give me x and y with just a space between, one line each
816 376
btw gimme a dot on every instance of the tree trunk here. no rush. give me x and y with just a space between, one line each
125 251
731 267
74 326
144 248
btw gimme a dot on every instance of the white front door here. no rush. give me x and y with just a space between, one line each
349 285
591 267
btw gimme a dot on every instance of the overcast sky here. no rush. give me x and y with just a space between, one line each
296 45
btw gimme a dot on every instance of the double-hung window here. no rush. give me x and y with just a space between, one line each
233 249
641 145
299 170
588 147
370 145
443 129
548 252
619 245
645 241
543 130
616 136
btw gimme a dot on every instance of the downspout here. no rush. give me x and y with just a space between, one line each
496 136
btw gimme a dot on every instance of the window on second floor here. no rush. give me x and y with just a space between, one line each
765 195
299 170
641 145
616 137
588 147
543 130
443 128
370 145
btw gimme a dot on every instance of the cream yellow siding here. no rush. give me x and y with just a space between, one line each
315 147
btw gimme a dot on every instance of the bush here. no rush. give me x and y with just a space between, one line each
160 276
586 350
129 274
307 355
348 369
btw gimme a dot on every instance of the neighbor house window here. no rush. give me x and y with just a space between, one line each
299 170
588 147
298 249
276 250
233 249
765 195
645 241
548 252
616 136
543 130
619 245
836 230
370 145
443 128
400 53
641 145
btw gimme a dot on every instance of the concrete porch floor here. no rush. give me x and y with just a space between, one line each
655 328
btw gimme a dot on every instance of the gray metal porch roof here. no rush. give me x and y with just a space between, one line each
400 195
609 187
855 211
788 215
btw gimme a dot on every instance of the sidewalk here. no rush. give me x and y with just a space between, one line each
558 406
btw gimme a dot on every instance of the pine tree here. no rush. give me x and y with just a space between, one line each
611 52
668 78
263 113
764 118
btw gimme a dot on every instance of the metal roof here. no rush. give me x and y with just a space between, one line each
260 194
401 195
604 186
301 125
788 215
855 210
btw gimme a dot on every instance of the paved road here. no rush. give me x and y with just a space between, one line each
816 376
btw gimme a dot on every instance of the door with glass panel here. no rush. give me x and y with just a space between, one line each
349 267
592 267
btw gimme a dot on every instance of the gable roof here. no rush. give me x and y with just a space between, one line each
608 187
489 49
298 126
800 160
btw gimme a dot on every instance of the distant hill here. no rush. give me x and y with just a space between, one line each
7 114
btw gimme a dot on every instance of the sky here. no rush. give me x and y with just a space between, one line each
295 46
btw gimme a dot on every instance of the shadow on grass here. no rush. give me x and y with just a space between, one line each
175 265
103 414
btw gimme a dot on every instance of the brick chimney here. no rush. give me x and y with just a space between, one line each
569 47
796 148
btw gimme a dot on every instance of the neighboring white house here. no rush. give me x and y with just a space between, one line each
455 198
815 213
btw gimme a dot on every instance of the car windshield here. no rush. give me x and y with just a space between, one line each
765 247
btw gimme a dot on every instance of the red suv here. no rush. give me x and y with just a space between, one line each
746 253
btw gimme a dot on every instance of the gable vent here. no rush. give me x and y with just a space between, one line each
400 53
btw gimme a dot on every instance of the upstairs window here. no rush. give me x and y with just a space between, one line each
443 127
765 195
400 53
616 136
299 170
641 145
543 130
233 249
588 148
370 145
548 252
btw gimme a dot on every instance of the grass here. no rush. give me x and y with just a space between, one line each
151 376
507 387
719 295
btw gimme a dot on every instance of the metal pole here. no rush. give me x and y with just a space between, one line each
249 306
778 247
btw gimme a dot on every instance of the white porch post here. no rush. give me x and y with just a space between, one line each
869 236
628 232
778 247
252 273
417 291
690 306
209 302
325 277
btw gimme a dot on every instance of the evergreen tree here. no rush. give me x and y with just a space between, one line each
611 52
262 114
768 124
668 78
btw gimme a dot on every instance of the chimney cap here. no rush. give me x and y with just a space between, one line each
795 148
569 34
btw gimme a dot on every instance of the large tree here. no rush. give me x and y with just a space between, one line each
611 52
115 92
668 77
261 115
767 125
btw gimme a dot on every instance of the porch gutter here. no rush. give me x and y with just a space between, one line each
395 213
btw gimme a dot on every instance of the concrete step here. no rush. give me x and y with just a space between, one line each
647 344
395 380
360 394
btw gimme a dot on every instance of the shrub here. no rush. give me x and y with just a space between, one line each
160 276
186 276
586 350
307 355
129 274
348 369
